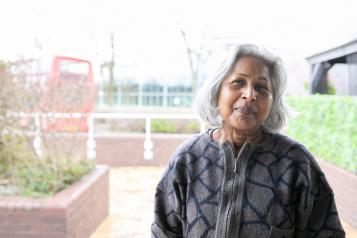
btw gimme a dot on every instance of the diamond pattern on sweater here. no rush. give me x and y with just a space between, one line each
282 184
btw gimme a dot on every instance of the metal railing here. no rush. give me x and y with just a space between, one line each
148 144
37 141
91 143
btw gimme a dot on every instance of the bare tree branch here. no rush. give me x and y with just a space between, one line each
196 58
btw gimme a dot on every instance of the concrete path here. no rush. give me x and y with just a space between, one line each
131 204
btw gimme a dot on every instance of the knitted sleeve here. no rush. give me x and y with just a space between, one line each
316 213
168 206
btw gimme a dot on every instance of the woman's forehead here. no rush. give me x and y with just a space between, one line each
249 66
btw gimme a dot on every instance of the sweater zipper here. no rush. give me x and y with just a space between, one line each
228 231
226 192
239 198
235 165
231 192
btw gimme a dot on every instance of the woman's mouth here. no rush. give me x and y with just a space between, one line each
244 109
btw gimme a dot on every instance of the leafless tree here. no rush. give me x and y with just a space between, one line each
12 139
20 93
196 58
110 88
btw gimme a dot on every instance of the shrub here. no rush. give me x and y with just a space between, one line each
163 126
175 126
192 127
47 176
22 171
327 125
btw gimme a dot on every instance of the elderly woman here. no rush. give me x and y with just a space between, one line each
243 178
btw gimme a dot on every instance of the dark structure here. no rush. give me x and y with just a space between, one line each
323 61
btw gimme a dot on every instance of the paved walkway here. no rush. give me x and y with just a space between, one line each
131 204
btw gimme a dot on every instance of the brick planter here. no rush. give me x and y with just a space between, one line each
73 212
344 185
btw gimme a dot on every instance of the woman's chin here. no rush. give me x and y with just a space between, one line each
244 125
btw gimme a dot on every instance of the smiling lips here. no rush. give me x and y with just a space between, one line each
244 109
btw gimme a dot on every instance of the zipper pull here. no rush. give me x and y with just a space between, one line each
235 167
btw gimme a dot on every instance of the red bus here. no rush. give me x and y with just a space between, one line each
63 85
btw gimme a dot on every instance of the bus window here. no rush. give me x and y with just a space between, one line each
64 85
72 70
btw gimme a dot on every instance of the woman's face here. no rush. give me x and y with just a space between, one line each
245 96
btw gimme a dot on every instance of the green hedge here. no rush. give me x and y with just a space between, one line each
327 126
163 126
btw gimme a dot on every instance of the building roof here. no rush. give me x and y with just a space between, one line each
336 54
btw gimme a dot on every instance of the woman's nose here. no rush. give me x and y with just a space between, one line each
249 94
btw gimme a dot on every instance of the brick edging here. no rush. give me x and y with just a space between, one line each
74 212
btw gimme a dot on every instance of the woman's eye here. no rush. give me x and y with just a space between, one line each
238 82
262 88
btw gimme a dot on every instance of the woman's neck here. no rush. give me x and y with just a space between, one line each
237 137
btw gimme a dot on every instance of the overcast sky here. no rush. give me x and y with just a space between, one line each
148 32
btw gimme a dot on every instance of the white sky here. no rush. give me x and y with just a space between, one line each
147 32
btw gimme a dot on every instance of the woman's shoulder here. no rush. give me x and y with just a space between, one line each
288 146
195 147
196 144
294 150
306 164
191 153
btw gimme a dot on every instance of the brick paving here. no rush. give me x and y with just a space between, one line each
131 204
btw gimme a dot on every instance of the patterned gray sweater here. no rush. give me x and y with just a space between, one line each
275 189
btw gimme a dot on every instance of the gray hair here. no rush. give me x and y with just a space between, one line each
207 100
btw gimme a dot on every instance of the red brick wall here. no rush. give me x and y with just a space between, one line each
129 151
124 149
74 212
89 208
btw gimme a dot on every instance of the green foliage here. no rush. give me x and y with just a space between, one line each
327 125
12 147
3 66
46 176
22 172
306 85
331 90
162 126
175 126
33 176
192 127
